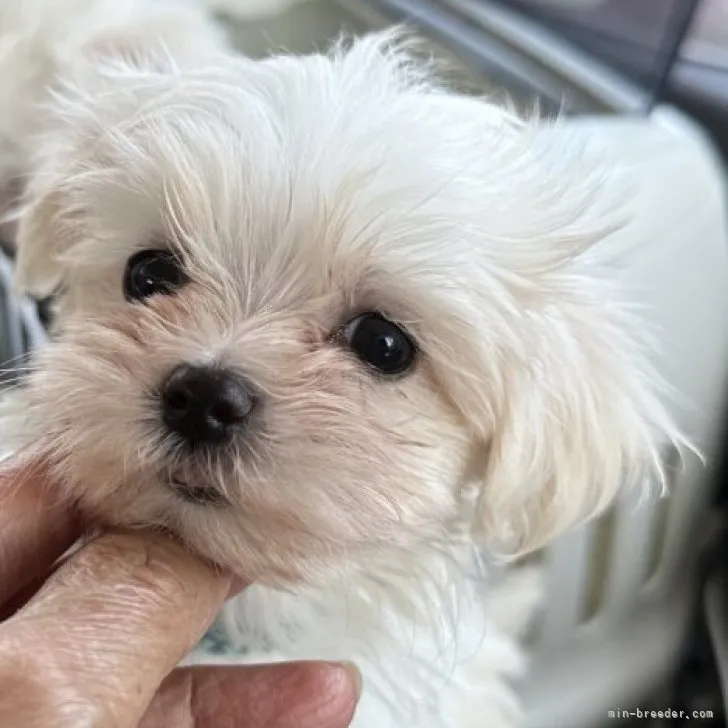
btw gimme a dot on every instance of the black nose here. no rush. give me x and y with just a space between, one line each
205 405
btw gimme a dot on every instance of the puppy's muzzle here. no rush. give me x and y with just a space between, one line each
205 405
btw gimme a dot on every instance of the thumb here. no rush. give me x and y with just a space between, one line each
288 695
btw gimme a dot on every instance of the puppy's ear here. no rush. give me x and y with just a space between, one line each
120 51
44 233
577 416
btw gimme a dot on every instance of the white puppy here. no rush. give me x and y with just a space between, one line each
334 327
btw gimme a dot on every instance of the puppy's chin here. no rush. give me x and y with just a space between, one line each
306 522
288 559
194 490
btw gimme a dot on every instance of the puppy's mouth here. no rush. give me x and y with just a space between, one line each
194 492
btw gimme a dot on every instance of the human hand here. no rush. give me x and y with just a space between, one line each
97 643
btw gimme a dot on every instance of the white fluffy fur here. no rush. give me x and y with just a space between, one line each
298 192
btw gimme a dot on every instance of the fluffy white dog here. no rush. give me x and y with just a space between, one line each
336 328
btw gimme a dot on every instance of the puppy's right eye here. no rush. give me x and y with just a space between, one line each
380 343
152 272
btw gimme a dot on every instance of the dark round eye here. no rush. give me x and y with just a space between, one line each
380 343
152 272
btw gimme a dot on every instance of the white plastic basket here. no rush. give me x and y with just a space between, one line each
620 588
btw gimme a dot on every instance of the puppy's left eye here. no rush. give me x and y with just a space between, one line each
152 272
380 343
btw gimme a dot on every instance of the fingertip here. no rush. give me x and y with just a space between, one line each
355 677
323 695
237 584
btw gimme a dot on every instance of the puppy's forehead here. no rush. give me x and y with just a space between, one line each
308 176
266 178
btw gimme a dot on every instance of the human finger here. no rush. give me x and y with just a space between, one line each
115 619
36 527
290 695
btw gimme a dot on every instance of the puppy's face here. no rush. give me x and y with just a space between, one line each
313 311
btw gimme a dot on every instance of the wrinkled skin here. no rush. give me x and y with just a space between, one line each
95 641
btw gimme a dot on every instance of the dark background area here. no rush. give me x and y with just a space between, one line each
676 50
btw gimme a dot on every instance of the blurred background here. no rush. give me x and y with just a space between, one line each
636 617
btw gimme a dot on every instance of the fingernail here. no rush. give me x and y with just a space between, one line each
354 676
